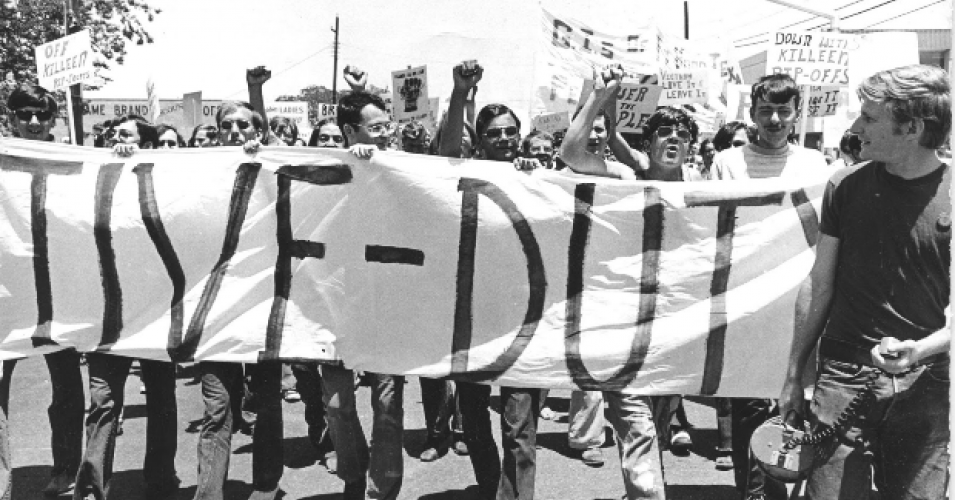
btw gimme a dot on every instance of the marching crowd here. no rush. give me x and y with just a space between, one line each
875 303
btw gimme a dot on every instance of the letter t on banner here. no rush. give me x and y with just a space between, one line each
192 109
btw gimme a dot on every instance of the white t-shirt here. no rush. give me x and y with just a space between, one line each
753 162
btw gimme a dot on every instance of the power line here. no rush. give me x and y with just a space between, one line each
905 14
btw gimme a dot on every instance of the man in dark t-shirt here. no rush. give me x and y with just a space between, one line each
878 295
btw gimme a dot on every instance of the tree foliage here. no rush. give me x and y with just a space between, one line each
25 24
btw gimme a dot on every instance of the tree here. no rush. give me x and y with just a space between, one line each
25 24
319 94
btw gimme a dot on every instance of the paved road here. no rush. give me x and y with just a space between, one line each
558 475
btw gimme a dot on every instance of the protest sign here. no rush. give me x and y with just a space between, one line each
410 94
684 87
65 61
552 122
811 58
326 110
580 282
823 101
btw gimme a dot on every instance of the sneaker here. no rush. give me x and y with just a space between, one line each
429 455
681 443
292 396
592 457
59 484
548 414
460 448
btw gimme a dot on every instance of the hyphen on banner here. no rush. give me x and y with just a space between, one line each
552 122
411 94
811 58
65 61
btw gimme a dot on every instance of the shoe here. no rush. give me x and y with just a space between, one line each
681 443
291 396
331 462
460 448
724 462
429 455
592 457
548 414
59 484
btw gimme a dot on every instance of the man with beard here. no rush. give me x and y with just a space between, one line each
34 110
669 131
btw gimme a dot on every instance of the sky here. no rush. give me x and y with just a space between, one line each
207 45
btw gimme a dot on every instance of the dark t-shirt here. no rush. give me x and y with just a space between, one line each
894 234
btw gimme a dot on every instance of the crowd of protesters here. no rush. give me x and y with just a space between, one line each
882 317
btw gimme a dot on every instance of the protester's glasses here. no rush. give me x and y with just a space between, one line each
27 115
387 128
325 138
739 144
226 125
496 133
666 131
168 144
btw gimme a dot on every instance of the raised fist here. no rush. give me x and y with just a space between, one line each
467 75
410 92
257 75
355 77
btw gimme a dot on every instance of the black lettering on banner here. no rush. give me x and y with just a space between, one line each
289 247
39 170
106 181
245 178
149 210
807 216
725 230
536 277
649 285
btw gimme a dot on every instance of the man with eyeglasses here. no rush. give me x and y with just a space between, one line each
668 132
33 110
363 119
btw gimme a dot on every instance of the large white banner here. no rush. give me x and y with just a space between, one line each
403 264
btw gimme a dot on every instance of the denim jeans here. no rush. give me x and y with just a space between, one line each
632 420
67 411
222 392
903 433
585 420
384 463
108 375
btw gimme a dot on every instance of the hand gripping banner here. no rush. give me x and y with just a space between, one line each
403 264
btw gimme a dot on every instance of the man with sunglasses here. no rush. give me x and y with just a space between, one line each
33 110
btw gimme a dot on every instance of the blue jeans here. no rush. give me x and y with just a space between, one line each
632 420
108 375
384 462
222 393
903 433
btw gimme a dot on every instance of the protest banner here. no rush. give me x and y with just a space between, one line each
684 87
65 61
580 282
811 57
552 122
410 94
824 101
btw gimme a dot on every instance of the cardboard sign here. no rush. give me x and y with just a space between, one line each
65 61
823 101
811 58
684 87
411 94
552 122
315 254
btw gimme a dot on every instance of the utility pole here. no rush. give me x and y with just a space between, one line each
335 65
686 19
